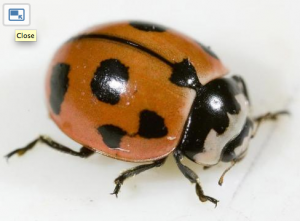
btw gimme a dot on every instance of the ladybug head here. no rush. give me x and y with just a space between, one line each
218 126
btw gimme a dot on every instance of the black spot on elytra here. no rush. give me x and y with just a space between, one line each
59 83
109 81
208 50
111 135
213 102
184 75
228 153
152 125
149 27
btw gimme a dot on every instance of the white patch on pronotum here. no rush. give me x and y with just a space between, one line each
243 147
215 143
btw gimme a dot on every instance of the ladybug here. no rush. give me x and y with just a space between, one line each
138 92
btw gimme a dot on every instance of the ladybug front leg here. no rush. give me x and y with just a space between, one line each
192 177
265 117
83 152
134 171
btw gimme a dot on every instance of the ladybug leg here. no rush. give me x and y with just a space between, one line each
83 152
134 171
265 117
192 177
221 180
233 162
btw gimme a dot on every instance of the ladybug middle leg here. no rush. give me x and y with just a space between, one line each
83 152
134 171
192 177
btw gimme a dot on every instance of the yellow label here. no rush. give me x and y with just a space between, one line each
25 35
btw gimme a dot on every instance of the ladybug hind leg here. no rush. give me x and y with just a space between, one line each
193 178
83 152
135 171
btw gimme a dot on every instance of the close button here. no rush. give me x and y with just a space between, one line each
25 35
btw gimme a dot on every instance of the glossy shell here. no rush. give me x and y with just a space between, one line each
114 88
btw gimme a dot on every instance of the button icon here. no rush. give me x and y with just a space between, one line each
16 14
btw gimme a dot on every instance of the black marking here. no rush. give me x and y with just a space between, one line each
208 50
148 27
59 84
110 81
228 153
123 41
184 75
213 102
152 125
240 80
111 135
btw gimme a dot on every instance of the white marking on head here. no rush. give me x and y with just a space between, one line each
214 143
243 147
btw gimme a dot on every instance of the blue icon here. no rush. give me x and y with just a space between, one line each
16 14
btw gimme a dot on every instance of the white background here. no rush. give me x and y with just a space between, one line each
258 39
